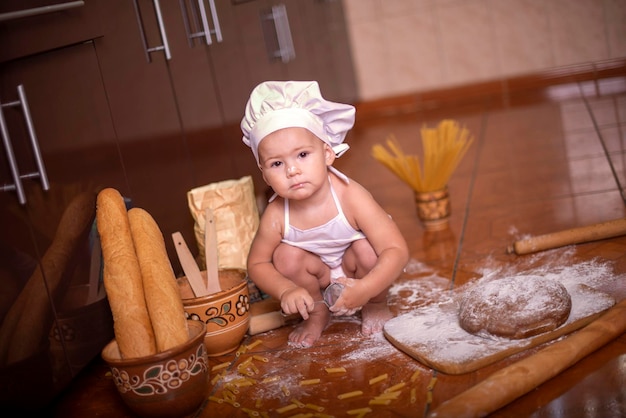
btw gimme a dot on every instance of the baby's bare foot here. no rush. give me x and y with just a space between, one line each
374 315
310 330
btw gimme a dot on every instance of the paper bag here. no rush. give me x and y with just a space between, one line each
236 217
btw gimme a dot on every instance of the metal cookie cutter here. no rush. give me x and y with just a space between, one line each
330 296
332 293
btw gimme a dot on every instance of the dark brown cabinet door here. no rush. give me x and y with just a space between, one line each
28 27
190 66
281 40
194 32
53 310
322 47
241 60
149 119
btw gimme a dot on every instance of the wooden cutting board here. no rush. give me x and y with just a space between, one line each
433 336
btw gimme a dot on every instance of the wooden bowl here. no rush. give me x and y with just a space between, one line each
172 383
226 313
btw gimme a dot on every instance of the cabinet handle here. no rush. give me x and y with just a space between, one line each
206 29
36 11
186 21
166 46
41 169
216 21
286 51
15 173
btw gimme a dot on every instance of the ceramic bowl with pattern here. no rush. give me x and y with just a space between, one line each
172 383
226 313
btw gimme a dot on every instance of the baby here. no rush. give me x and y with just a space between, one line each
320 227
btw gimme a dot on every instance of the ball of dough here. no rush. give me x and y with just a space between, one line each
514 307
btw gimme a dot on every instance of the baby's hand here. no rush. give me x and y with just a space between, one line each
297 300
351 300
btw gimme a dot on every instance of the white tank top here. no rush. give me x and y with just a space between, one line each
329 241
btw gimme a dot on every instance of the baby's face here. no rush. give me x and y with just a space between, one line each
294 162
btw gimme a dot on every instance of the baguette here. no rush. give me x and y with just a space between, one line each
165 305
122 278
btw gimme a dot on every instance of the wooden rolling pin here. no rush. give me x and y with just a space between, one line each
266 315
521 377
269 321
578 235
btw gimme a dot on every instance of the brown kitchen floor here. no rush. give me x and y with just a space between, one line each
544 160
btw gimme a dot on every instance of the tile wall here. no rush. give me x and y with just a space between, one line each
407 46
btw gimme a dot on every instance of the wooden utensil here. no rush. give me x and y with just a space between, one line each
210 252
190 267
269 321
578 235
266 315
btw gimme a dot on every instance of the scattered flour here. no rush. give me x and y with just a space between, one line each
427 321
407 295
415 266
372 348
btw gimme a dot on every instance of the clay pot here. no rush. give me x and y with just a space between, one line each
81 328
433 209
172 383
226 313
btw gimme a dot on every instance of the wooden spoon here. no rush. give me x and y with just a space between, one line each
210 252
189 265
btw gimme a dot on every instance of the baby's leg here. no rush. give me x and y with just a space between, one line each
308 271
358 260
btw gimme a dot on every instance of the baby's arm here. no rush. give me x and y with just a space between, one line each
262 272
386 239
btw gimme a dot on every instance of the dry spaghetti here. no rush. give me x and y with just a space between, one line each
443 148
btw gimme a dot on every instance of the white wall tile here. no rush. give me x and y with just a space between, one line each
360 11
370 57
415 57
578 31
468 42
407 46
522 35
615 13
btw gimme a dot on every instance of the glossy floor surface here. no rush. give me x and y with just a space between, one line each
543 160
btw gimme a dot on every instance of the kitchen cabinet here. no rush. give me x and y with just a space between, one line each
54 313
151 120
177 94
316 48
110 109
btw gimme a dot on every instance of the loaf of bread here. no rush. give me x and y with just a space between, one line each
122 278
514 307
163 299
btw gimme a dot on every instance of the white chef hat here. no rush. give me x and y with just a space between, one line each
275 105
